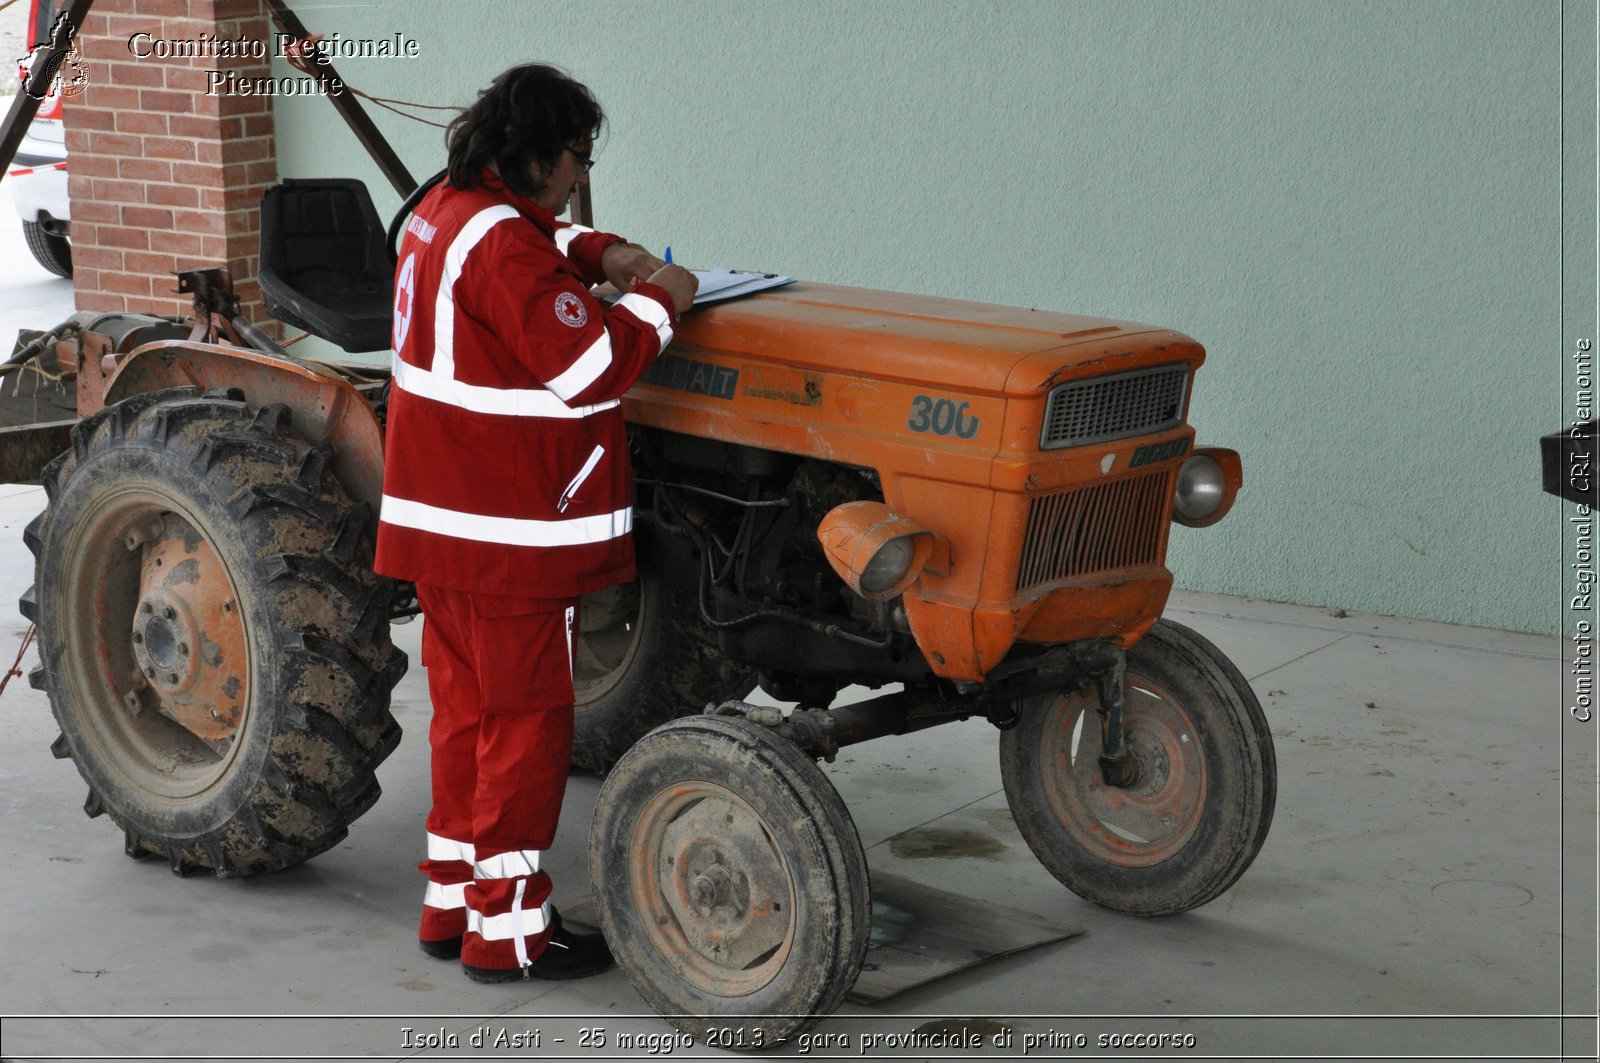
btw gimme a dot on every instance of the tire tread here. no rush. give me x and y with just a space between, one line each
324 748
53 253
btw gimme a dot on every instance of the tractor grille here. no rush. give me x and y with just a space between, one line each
1110 407
1095 529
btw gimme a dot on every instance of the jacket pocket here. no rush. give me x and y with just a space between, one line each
577 481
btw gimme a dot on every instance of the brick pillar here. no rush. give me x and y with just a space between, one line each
163 175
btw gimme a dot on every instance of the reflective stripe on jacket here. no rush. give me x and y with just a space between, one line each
506 467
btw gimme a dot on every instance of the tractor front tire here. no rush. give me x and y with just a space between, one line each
1200 808
735 894
215 645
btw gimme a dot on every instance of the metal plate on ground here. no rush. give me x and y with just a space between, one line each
920 934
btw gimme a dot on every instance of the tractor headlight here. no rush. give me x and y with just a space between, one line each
1207 485
1200 489
874 550
888 566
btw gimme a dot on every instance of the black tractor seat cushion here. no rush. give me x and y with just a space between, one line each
324 266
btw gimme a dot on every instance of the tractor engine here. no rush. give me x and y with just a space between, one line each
734 529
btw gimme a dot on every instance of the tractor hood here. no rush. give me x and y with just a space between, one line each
974 347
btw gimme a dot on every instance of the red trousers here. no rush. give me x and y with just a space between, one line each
500 677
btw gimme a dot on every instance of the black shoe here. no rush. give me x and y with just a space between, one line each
491 975
569 955
566 955
443 949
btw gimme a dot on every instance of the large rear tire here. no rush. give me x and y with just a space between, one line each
215 645
642 658
732 887
1199 811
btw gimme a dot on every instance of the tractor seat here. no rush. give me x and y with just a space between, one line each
324 264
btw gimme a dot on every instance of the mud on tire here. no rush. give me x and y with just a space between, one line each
215 646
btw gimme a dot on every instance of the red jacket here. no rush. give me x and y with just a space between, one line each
506 465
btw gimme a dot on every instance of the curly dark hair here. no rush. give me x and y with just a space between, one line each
521 124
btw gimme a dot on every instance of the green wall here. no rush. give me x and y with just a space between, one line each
1356 207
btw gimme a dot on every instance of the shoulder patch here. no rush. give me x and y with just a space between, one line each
571 311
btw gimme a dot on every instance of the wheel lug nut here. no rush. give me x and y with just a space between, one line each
137 638
168 612
172 677
183 648
151 672
144 607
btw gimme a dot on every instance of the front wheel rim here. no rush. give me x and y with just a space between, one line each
1149 822
713 890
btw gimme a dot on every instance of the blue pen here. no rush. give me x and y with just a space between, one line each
669 256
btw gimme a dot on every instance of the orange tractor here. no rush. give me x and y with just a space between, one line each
835 486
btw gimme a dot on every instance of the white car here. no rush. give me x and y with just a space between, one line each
38 174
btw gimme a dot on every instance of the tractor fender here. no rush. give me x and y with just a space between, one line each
324 406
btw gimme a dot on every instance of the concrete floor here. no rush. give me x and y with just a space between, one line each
1428 888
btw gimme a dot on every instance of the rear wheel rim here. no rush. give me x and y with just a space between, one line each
1141 825
148 658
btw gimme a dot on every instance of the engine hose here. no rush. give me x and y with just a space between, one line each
755 503
36 346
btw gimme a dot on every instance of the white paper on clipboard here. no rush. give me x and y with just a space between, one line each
719 285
